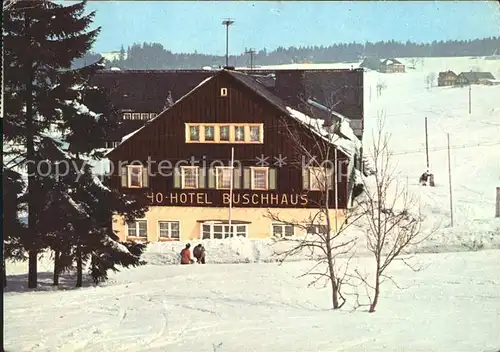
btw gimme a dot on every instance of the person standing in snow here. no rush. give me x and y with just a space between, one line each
199 253
186 255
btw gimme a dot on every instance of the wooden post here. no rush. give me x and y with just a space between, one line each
426 143
470 93
336 180
231 191
449 179
497 212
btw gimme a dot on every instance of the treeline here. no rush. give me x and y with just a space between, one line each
155 56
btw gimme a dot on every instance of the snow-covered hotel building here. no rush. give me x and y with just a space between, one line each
180 160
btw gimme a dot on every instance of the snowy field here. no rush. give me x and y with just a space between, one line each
452 305
255 305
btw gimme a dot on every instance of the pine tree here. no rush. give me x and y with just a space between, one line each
47 119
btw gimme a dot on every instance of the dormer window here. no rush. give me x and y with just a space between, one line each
209 133
194 133
241 133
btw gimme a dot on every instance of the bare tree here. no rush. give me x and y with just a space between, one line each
323 235
388 220
430 79
381 85
414 61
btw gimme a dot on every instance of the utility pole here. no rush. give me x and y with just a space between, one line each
449 179
497 210
426 143
470 93
251 52
227 22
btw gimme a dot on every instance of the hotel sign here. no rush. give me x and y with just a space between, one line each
203 198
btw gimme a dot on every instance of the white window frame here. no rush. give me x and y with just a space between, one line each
144 115
316 229
252 177
283 226
127 116
183 174
129 176
136 116
169 222
259 140
217 170
226 230
312 176
152 115
136 223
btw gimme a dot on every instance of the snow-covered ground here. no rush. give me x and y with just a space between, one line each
452 305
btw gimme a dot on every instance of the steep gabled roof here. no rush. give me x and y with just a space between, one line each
391 62
346 142
258 88
446 73
476 76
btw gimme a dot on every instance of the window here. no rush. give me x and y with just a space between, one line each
316 178
259 177
282 230
194 133
317 230
112 144
239 133
255 133
209 133
223 92
218 230
223 177
138 228
144 116
189 177
134 176
169 229
152 115
224 133
136 116
127 116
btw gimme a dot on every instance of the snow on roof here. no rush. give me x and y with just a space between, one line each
342 137
82 109
348 147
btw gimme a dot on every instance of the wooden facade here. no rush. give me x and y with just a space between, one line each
147 91
244 102
448 78
391 66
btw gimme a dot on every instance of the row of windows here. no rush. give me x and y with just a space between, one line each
170 230
224 133
139 115
255 178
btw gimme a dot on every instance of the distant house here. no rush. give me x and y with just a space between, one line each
371 63
448 78
392 66
466 78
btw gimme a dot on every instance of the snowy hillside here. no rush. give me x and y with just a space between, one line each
474 140
255 305
451 306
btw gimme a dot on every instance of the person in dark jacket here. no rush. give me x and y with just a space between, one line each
186 255
199 253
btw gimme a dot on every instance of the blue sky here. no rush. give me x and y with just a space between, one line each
196 25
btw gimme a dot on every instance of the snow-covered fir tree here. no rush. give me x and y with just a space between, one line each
53 115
